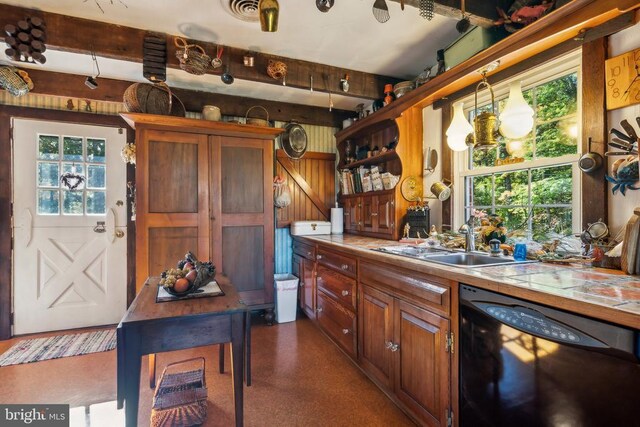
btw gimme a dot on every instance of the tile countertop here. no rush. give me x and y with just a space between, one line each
596 292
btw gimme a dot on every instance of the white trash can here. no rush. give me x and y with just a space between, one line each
286 297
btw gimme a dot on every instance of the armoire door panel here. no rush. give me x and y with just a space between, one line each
242 171
173 177
168 245
243 256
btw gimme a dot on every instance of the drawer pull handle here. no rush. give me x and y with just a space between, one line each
319 310
395 347
374 213
388 345
391 346
318 256
345 331
345 293
344 266
308 253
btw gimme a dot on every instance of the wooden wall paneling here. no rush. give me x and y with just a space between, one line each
594 126
6 236
147 219
312 185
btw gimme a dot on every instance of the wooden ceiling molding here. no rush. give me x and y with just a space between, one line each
72 85
77 35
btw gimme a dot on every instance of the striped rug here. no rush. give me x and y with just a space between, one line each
37 349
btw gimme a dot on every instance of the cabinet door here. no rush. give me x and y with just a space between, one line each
352 213
423 369
376 332
242 214
385 214
308 292
172 200
369 213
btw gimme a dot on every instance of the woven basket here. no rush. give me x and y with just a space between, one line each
193 59
255 121
12 82
180 399
153 99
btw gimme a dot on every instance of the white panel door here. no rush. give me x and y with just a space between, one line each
68 270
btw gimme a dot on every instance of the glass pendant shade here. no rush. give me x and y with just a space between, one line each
516 120
269 10
458 129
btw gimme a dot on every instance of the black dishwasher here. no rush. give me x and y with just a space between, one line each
524 364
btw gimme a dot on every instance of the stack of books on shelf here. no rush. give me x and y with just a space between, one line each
362 180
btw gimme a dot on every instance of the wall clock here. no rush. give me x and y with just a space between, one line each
622 75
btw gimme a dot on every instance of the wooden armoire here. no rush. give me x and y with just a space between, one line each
206 187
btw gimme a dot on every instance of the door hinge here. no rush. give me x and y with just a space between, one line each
449 418
449 342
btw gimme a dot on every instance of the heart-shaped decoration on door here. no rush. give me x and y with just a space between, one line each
71 180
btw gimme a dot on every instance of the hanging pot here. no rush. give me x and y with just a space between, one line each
294 140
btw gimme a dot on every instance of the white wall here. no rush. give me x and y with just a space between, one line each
432 137
621 207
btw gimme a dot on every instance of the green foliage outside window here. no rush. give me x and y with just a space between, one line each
537 200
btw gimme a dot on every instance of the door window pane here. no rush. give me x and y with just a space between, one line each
74 168
48 174
72 148
96 150
72 202
48 147
96 202
96 176
48 202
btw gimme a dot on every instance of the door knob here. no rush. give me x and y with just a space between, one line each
119 234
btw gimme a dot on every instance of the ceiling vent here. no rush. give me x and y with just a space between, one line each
245 10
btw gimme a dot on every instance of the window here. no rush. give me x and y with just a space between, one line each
83 156
533 183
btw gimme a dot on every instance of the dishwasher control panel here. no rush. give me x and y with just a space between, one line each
530 321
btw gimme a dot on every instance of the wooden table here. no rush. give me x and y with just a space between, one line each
149 327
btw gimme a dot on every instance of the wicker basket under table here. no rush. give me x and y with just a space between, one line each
180 399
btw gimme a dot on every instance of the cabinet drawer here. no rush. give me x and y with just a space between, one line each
422 289
339 286
338 322
337 261
304 250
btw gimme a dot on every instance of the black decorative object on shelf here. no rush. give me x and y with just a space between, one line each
154 59
26 40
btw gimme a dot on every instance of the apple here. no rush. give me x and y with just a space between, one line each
188 265
181 285
191 275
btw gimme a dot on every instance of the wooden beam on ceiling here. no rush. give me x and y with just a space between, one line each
72 86
77 35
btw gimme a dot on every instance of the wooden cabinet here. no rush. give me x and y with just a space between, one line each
336 298
405 348
206 187
304 268
379 213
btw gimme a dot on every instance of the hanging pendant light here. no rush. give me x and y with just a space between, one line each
269 10
516 121
458 129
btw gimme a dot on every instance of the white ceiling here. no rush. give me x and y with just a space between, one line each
347 36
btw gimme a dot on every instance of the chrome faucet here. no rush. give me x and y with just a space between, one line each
469 234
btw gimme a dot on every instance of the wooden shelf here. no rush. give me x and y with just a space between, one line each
380 158
182 124
369 193
551 30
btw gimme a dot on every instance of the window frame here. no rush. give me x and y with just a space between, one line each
552 70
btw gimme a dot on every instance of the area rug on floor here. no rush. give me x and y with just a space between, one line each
38 349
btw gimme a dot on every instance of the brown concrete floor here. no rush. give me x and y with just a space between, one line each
299 378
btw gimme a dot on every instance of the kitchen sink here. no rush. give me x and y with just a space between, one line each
447 257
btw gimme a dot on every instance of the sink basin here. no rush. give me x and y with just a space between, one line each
447 257
466 259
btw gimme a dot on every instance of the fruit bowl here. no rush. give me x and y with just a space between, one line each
172 291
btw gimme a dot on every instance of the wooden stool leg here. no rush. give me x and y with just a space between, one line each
221 358
247 349
152 370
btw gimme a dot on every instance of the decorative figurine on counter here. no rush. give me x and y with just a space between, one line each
405 232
